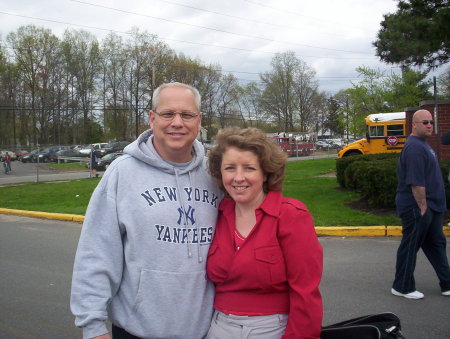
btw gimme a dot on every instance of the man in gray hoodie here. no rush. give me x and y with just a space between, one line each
141 256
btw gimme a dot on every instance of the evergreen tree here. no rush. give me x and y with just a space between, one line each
417 34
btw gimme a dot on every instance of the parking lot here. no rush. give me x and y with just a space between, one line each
31 172
37 259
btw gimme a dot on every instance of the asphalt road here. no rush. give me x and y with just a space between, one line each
36 258
29 172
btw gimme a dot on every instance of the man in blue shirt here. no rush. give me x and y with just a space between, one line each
420 204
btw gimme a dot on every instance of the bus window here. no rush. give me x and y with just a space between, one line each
376 131
395 130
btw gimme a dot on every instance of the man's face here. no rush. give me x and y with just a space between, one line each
173 138
420 129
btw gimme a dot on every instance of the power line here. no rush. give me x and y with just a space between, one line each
298 14
177 40
228 71
318 77
215 29
341 78
243 19
128 33
68 108
182 41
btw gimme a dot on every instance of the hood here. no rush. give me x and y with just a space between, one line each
142 149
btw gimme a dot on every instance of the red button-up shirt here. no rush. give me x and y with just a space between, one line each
277 269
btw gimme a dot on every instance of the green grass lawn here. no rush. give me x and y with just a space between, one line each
323 197
68 166
321 194
60 197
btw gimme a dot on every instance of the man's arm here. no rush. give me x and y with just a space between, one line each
446 138
98 265
420 197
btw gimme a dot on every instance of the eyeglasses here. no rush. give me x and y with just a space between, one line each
185 116
425 122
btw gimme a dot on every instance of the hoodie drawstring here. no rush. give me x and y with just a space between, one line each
183 213
199 255
200 258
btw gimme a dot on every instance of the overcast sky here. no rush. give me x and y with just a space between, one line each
333 37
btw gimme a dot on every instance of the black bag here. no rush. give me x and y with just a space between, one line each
375 326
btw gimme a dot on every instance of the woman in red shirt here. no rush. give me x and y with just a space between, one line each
265 259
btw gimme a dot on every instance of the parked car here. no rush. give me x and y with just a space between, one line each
105 161
49 154
116 146
322 144
20 154
99 148
62 155
30 157
336 143
10 153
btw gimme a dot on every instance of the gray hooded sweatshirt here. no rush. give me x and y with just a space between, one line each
142 251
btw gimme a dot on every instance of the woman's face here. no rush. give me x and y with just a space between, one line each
243 177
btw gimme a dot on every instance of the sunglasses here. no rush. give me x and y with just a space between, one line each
426 122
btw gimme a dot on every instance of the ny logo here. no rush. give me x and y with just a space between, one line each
189 215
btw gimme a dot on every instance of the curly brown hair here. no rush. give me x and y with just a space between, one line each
271 158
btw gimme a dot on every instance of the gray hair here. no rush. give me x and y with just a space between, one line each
157 92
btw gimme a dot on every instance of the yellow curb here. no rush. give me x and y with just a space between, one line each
45 215
352 231
366 231
341 231
396 231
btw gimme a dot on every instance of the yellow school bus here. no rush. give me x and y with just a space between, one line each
385 133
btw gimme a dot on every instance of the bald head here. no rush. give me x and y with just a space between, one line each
422 124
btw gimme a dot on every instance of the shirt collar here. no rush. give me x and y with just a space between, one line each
271 204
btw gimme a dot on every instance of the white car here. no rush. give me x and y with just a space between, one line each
322 144
99 148
10 153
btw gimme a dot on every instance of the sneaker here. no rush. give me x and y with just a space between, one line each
446 293
411 295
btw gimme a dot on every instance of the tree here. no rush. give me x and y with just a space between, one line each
443 84
7 117
82 54
115 67
226 99
208 87
36 52
407 89
309 101
417 34
377 92
279 90
248 102
332 120
348 114
148 58
288 91
319 112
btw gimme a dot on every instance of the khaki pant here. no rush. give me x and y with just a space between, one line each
231 326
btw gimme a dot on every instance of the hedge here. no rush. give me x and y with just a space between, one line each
375 177
343 163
